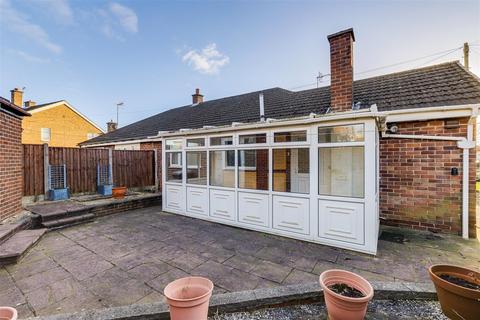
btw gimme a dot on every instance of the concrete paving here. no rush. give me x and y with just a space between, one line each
129 258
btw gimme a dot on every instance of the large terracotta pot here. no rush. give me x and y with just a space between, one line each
457 302
119 192
188 298
340 307
7 313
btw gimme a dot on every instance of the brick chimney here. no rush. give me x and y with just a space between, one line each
111 126
197 97
16 97
341 70
29 104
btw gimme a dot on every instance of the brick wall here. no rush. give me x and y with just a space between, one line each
11 172
417 189
155 146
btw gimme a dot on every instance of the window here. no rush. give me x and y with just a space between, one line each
290 136
253 169
291 170
221 141
174 167
174 145
341 171
45 134
350 133
91 135
197 167
253 138
196 142
220 173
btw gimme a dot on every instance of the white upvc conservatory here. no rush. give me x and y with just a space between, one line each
314 179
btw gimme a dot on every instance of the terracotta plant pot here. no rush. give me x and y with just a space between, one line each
7 313
457 302
188 298
119 192
341 307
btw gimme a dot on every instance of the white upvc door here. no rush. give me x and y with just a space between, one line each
300 177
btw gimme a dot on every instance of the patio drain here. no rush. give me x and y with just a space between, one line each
393 237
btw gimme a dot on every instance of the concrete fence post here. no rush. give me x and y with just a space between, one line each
46 163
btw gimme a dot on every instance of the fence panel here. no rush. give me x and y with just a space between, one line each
130 168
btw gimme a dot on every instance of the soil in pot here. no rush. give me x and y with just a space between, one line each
346 291
460 281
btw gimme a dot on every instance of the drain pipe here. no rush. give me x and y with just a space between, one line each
462 143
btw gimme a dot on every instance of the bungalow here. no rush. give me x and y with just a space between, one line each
326 165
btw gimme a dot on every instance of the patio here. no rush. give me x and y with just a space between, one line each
128 258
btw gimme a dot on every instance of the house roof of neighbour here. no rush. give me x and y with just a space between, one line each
39 106
445 84
7 105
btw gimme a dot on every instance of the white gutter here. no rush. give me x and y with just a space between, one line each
462 143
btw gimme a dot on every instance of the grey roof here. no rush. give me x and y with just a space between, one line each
445 84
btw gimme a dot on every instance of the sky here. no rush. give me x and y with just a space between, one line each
151 55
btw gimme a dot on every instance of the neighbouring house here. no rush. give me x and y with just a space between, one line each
11 158
326 165
57 124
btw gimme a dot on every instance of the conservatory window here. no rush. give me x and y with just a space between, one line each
196 142
222 164
253 138
290 136
291 170
197 167
253 169
221 141
174 145
348 133
174 167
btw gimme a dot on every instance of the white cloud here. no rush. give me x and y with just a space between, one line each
208 61
126 17
20 24
59 9
28 57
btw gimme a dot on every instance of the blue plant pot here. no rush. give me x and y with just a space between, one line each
58 194
105 190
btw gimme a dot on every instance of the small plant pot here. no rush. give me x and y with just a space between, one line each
119 192
457 302
188 298
341 307
7 313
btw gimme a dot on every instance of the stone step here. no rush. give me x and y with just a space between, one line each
70 221
57 215
8 230
12 250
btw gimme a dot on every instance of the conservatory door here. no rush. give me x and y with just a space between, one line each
300 169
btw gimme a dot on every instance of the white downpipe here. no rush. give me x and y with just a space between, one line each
462 143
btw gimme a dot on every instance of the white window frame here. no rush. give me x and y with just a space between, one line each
42 134
222 146
187 147
248 133
291 143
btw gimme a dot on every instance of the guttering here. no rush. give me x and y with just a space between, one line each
462 143
421 114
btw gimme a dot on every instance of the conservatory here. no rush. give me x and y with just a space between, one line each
314 179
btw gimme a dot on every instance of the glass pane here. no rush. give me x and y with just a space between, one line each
197 142
290 136
253 138
291 170
222 168
253 169
349 133
221 141
174 145
174 166
341 171
197 167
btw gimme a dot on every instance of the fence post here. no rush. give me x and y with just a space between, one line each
45 170
110 166
155 159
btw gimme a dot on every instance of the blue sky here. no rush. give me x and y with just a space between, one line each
153 54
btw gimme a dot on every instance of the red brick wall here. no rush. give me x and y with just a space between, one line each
417 189
155 146
11 163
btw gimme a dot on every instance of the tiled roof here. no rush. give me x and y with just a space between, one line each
7 105
446 84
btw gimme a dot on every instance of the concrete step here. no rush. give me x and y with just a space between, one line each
12 250
8 230
57 215
67 222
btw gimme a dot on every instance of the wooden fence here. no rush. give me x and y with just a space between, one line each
130 168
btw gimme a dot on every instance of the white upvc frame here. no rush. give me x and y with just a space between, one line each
370 174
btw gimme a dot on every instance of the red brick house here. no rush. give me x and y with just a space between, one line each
11 158
326 165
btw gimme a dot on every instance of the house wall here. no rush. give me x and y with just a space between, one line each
67 128
417 189
11 171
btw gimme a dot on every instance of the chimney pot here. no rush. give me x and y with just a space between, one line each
111 126
16 97
341 70
29 104
197 97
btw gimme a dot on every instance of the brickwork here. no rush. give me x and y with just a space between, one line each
155 146
11 171
417 188
127 204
